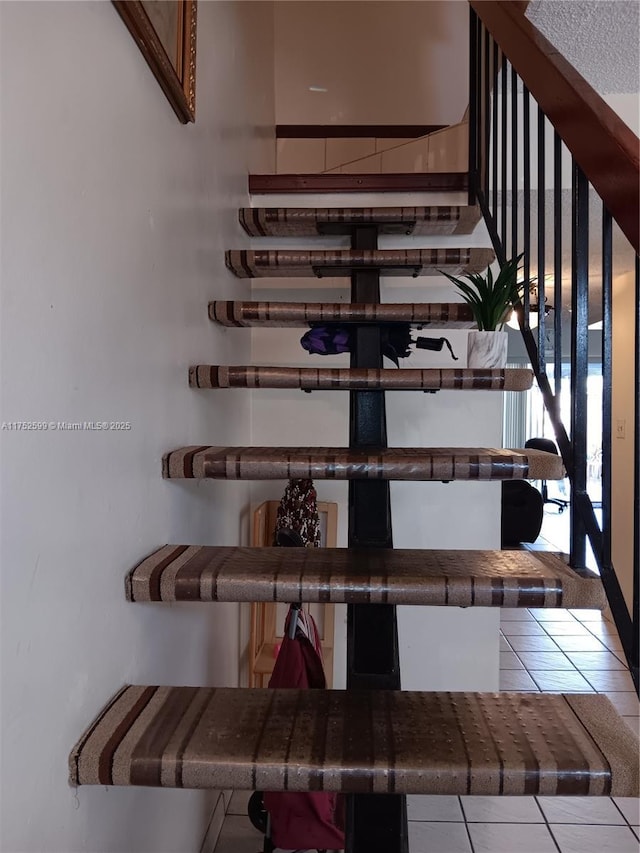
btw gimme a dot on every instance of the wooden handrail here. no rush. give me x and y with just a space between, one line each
606 150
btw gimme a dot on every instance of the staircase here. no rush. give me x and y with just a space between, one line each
373 741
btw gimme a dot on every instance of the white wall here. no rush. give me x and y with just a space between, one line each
114 221
382 62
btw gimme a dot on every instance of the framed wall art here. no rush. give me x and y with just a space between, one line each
165 32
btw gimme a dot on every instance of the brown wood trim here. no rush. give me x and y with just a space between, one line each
348 131
392 182
604 147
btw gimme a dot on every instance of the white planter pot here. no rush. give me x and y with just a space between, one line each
487 349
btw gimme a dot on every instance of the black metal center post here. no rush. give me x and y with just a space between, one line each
376 823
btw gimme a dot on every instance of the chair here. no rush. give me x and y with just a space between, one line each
549 447
521 515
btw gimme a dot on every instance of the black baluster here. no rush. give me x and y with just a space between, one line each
579 359
557 268
494 135
541 244
503 153
473 105
526 165
486 114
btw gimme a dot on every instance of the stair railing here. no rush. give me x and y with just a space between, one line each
539 134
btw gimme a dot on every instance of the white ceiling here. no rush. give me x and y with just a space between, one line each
601 38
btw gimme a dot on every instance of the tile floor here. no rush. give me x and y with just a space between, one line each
541 650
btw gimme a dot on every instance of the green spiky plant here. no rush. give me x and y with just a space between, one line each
491 301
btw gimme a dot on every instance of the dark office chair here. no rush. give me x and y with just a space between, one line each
549 447
521 515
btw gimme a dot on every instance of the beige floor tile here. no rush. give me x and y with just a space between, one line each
572 838
626 703
546 660
426 837
605 680
563 629
514 679
633 723
511 838
561 682
433 808
584 643
601 629
595 660
551 614
621 657
523 629
613 644
588 615
591 810
515 614
510 660
501 810
630 808
533 644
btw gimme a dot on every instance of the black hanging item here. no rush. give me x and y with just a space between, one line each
435 344
395 340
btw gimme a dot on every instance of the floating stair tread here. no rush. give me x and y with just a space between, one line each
347 378
339 463
314 221
362 182
360 742
456 315
361 576
246 263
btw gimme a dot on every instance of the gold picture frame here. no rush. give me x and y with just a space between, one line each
165 32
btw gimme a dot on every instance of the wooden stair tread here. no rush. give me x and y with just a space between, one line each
360 742
358 183
456 315
315 221
265 263
338 463
361 576
335 378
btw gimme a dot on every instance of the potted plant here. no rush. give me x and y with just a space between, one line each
491 302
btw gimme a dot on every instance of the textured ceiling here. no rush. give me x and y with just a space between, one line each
601 38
